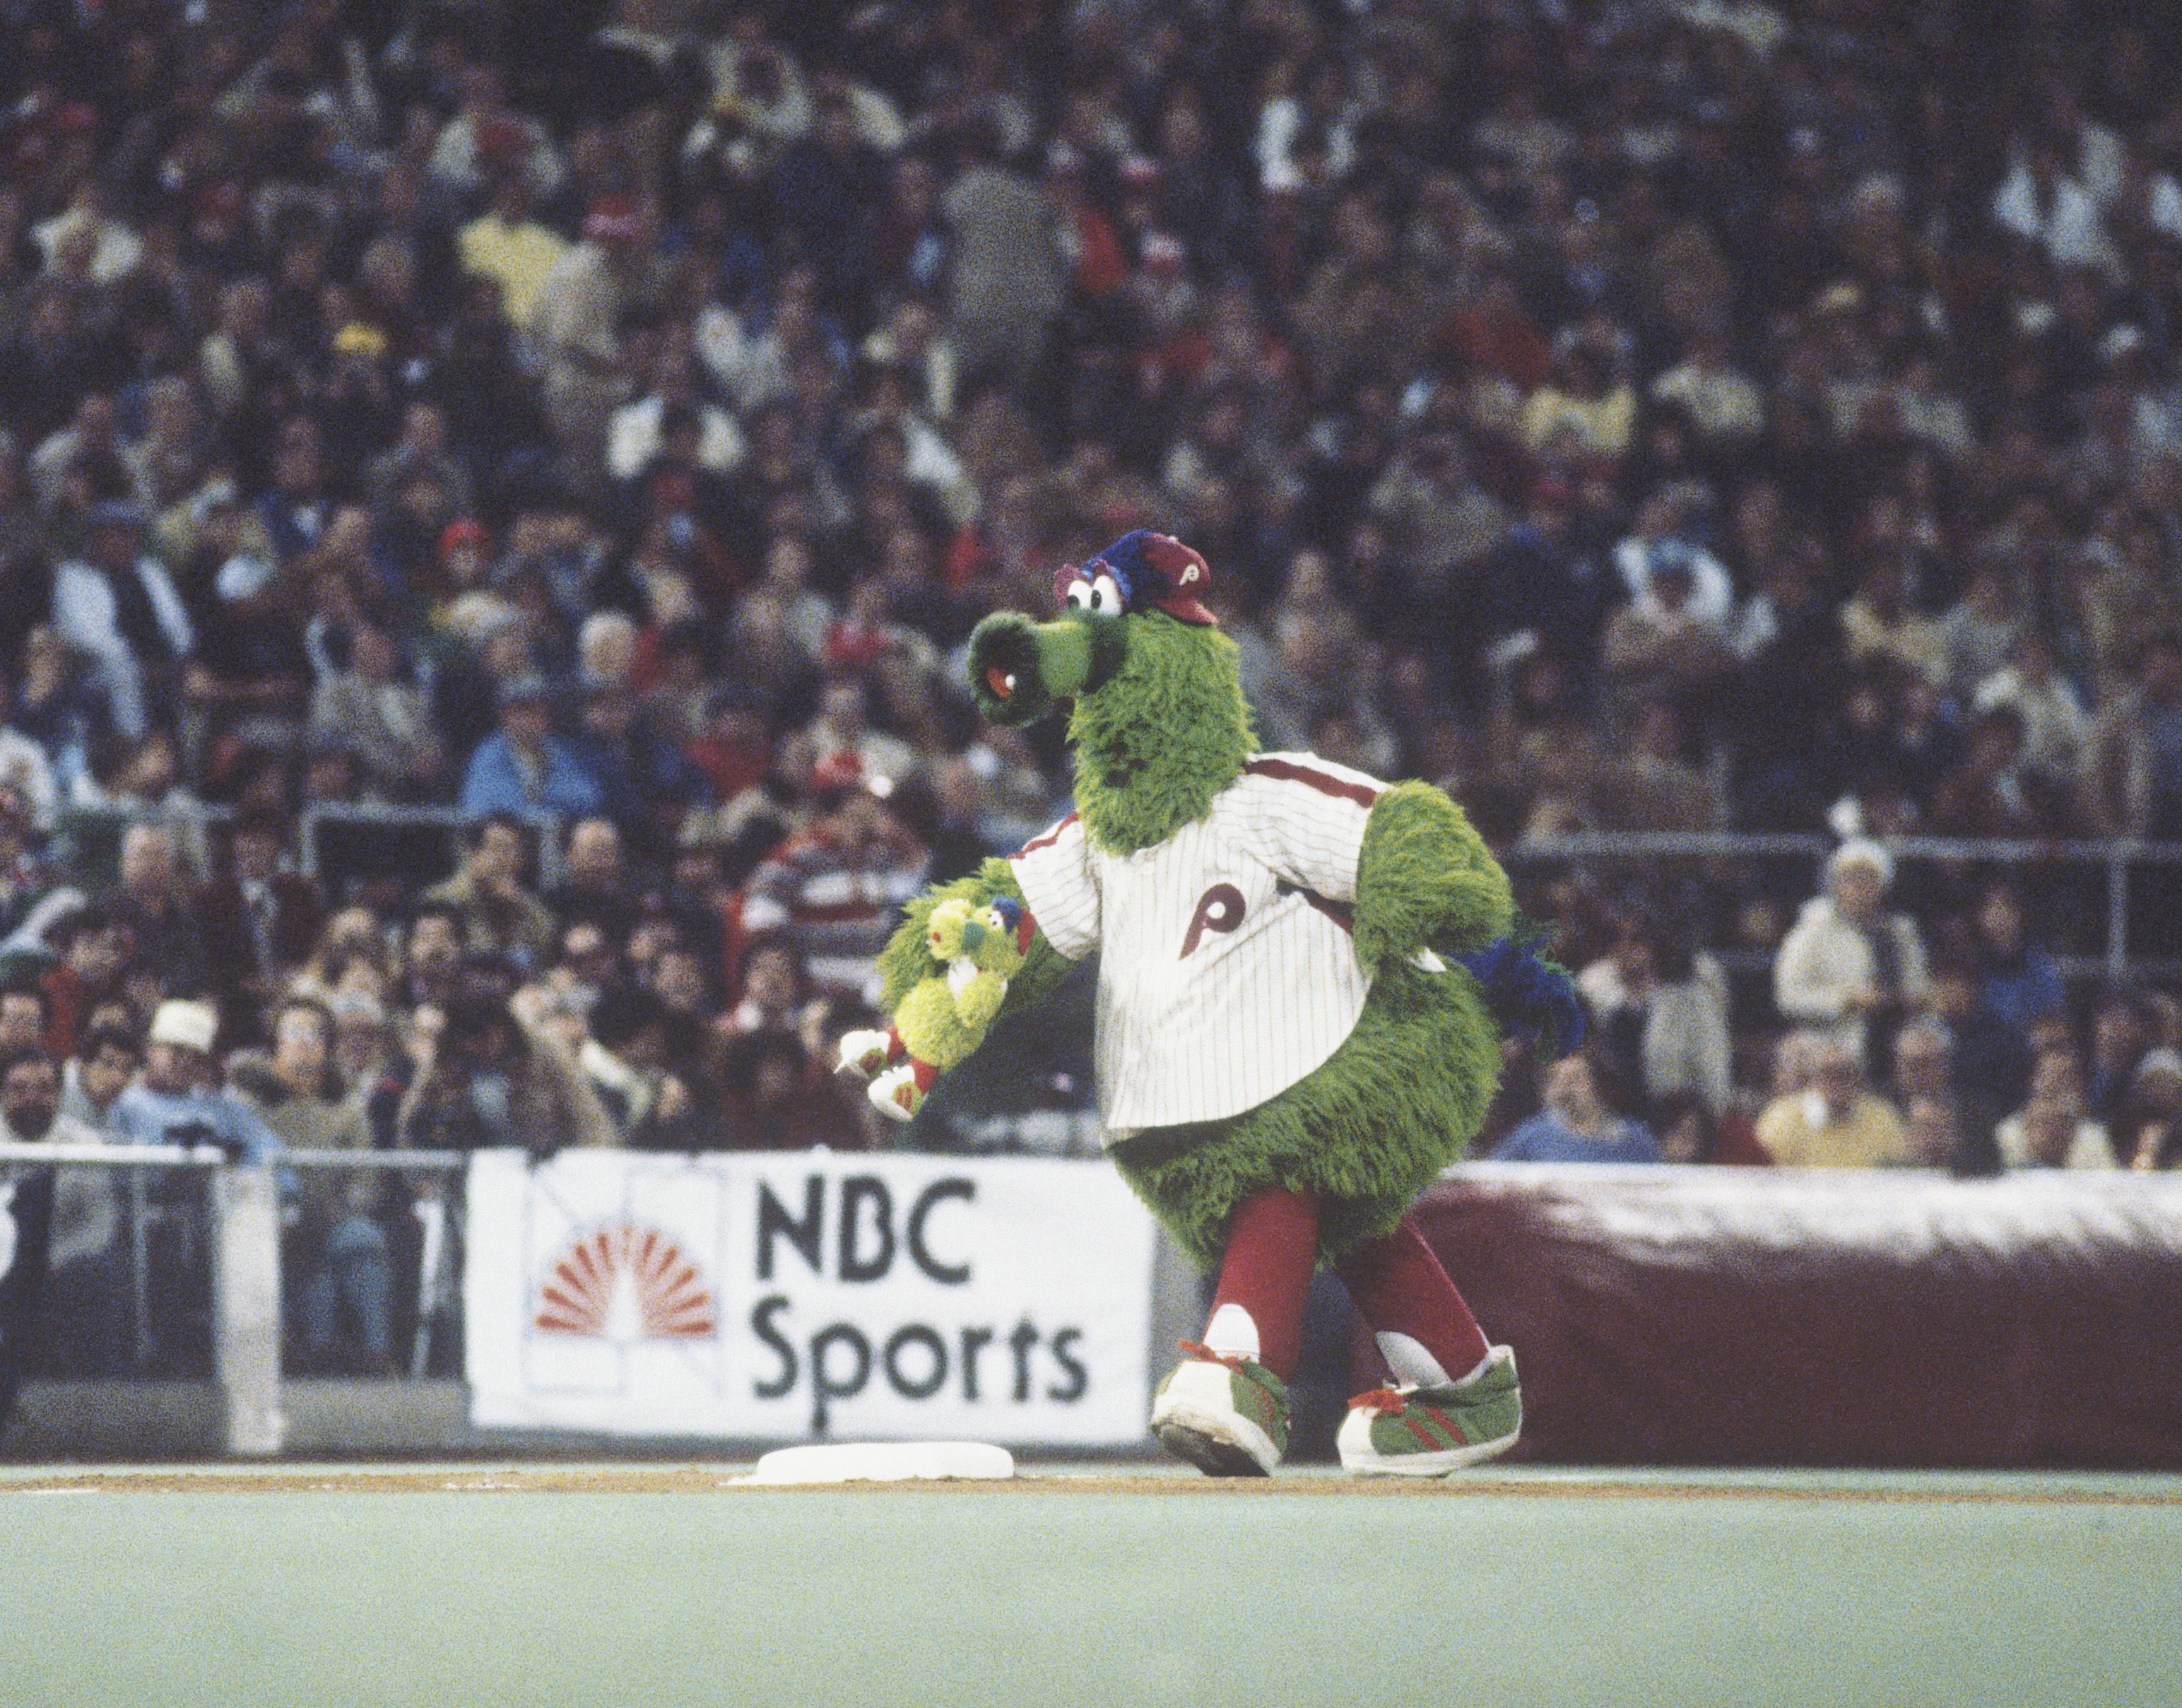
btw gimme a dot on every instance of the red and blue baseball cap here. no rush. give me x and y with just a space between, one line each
1154 572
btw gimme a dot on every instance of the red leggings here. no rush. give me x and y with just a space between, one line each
1398 1284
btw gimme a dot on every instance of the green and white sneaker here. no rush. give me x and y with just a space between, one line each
1428 1431
1228 1416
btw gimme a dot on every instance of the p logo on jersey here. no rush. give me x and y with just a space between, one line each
1141 571
1220 909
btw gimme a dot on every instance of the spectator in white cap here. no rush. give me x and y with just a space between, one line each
179 1100
1848 964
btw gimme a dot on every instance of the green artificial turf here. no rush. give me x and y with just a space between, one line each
1540 1588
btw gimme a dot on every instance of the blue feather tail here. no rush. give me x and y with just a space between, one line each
1530 998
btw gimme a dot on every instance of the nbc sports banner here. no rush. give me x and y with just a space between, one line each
790 1295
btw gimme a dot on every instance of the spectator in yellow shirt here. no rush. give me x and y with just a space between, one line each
1880 623
1836 1121
506 246
1582 410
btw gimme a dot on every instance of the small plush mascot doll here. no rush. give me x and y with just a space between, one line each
1305 977
973 951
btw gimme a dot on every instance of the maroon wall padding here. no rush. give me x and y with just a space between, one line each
1731 1316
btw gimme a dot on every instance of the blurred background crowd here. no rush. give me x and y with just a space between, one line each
604 423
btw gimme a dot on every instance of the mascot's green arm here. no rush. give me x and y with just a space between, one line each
1426 880
905 961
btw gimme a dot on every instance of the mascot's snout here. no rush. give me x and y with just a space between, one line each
1021 669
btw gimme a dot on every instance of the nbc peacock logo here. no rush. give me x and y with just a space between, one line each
621 1283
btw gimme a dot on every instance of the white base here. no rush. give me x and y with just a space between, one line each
885 1461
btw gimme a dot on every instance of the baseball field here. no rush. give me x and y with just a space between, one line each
535 1586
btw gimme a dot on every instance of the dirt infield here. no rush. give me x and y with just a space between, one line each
713 1479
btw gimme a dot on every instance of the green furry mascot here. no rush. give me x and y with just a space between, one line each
1304 975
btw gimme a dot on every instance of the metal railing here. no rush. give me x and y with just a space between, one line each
248 1204
2118 863
451 821
90 837
436 1227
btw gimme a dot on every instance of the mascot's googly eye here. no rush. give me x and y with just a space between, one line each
1100 596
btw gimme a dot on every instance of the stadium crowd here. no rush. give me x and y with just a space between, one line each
608 419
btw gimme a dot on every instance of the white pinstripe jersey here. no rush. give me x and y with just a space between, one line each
1226 972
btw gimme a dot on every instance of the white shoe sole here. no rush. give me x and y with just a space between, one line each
1206 1431
1359 1458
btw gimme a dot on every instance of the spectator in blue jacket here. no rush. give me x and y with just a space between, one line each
524 769
1550 588
2018 982
1576 1126
643 782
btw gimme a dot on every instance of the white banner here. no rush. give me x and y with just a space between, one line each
790 1295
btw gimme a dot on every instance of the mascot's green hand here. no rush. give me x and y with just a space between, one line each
1425 879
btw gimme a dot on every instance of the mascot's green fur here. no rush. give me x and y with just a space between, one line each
1159 730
